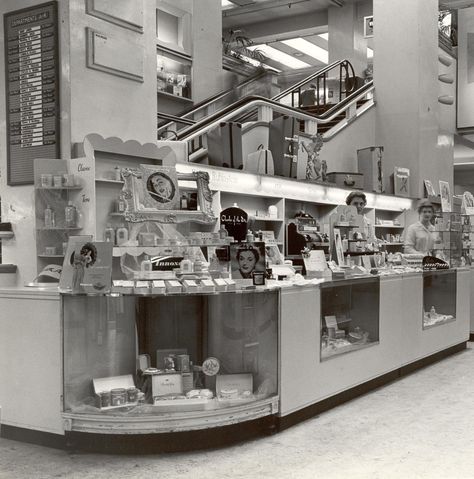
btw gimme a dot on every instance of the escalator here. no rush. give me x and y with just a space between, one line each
339 98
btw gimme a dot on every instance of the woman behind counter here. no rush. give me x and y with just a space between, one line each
420 237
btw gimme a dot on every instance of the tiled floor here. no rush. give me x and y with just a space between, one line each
418 427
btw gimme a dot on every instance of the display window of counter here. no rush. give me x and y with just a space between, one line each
349 316
206 360
439 298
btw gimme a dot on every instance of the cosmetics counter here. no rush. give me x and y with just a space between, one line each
171 371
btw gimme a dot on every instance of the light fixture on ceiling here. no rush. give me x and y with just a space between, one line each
279 56
226 4
308 48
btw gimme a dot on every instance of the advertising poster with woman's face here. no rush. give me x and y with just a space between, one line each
247 258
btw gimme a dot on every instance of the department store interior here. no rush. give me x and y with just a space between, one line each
199 198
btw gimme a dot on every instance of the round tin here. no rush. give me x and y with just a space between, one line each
132 394
118 397
104 397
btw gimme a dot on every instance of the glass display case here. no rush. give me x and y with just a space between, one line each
174 74
349 315
439 297
188 356
449 238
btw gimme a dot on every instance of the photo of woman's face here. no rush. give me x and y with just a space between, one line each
162 187
247 261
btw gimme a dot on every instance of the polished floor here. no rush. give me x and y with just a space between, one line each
418 427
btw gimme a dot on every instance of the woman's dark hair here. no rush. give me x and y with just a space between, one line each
86 248
355 194
252 249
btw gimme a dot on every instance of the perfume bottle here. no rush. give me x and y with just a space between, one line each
146 265
186 265
49 217
109 234
70 215
345 244
122 235
198 265
117 173
222 233
184 202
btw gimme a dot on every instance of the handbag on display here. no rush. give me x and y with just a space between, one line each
260 162
283 143
224 145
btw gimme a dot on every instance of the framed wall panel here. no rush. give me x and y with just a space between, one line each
114 55
124 13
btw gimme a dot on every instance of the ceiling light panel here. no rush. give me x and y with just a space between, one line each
280 57
308 48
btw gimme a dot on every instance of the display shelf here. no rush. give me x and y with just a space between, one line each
50 256
106 180
428 325
390 226
115 214
58 228
270 220
139 250
6 234
59 188
392 244
174 97
329 352
338 225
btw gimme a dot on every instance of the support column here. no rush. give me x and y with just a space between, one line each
346 37
406 86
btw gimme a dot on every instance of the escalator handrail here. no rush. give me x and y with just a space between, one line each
206 102
253 101
309 78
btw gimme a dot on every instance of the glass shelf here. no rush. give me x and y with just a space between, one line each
106 180
390 226
50 256
59 188
59 228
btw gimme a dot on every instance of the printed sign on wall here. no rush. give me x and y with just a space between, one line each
32 92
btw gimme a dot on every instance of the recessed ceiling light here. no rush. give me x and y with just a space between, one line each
280 57
308 48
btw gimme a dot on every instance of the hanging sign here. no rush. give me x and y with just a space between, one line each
32 91
235 221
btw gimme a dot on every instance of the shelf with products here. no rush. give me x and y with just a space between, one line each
58 208
390 227
106 180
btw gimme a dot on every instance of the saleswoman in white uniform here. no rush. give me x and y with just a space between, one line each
420 237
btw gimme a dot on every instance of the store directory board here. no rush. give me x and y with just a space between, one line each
32 89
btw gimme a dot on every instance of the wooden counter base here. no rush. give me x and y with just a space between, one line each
352 393
215 437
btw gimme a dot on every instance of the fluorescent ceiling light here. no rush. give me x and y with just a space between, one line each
308 48
370 53
280 57
324 36
226 4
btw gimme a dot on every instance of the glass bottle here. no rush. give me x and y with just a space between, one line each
145 265
122 235
109 234
70 215
186 265
49 217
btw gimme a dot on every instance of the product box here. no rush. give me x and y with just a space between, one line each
123 287
221 284
142 287
166 384
158 287
190 286
231 285
173 286
234 386
207 286
347 179
161 354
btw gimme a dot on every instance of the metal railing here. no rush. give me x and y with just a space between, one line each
266 108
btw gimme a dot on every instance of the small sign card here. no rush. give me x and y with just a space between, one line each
315 263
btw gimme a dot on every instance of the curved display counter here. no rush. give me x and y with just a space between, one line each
343 337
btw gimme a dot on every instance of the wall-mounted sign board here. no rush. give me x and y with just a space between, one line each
32 89
125 13
114 55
